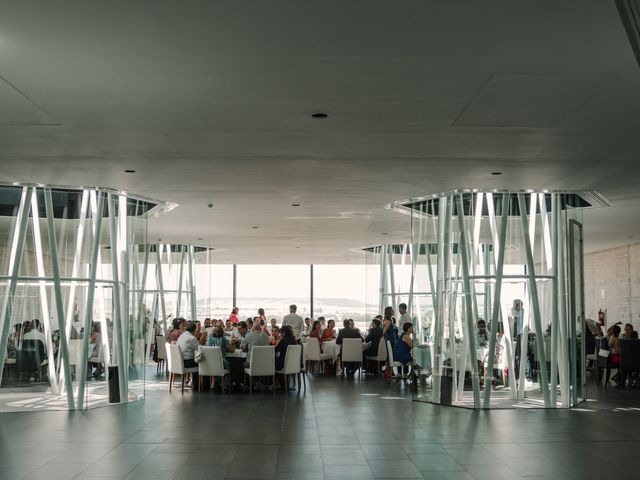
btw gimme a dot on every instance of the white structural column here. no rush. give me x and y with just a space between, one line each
553 380
93 270
57 290
160 286
15 258
535 304
392 278
499 243
192 287
44 304
469 294
77 258
180 281
383 274
118 347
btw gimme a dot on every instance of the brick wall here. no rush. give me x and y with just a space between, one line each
612 281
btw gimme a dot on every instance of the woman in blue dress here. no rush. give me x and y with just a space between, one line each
402 349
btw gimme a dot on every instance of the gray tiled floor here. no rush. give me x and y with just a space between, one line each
337 429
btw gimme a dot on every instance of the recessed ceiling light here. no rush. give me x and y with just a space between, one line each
129 171
496 173
297 247
385 233
255 227
200 239
295 204
319 115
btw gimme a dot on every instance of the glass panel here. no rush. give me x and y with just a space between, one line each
274 288
340 293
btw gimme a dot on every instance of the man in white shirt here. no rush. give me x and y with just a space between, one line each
294 320
188 345
36 334
404 316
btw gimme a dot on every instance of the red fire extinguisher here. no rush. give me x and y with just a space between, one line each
601 315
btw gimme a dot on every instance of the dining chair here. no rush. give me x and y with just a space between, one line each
352 352
161 353
390 361
176 365
212 366
291 364
380 356
314 354
262 364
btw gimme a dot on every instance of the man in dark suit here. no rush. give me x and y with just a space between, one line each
373 337
348 332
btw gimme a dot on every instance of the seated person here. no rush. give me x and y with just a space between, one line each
402 349
274 324
287 339
308 323
179 326
95 343
217 339
188 345
329 333
348 332
481 334
316 332
373 337
255 338
275 335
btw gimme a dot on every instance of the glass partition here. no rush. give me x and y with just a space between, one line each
496 297
71 328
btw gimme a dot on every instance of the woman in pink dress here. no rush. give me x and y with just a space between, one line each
234 315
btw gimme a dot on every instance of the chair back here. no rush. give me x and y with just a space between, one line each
630 355
351 350
212 365
174 359
161 346
382 351
263 361
98 350
602 344
292 359
313 349
390 353
75 351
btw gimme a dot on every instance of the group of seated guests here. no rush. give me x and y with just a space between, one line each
244 335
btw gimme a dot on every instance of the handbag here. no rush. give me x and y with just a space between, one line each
199 356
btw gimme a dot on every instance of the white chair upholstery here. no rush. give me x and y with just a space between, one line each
161 353
381 355
303 366
291 364
352 351
212 366
75 351
262 364
390 361
176 365
313 352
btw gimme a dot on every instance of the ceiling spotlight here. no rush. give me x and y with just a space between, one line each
200 239
295 204
129 171
255 227
384 233
319 115
210 205
496 173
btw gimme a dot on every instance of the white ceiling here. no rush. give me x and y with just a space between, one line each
210 102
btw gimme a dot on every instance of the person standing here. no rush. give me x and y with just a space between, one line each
404 316
295 321
234 315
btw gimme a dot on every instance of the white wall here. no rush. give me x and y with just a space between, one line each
612 281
